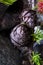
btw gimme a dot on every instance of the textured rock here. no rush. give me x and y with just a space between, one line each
38 48
8 55
16 7
9 21
26 4
10 17
21 34
3 8
29 17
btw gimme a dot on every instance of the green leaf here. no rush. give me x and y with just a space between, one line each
8 2
38 35
36 58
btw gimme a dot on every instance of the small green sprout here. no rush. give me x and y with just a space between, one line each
38 35
8 2
36 59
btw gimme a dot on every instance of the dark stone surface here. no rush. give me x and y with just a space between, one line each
26 55
9 21
21 35
16 7
9 16
26 4
8 55
3 8
29 18
38 48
